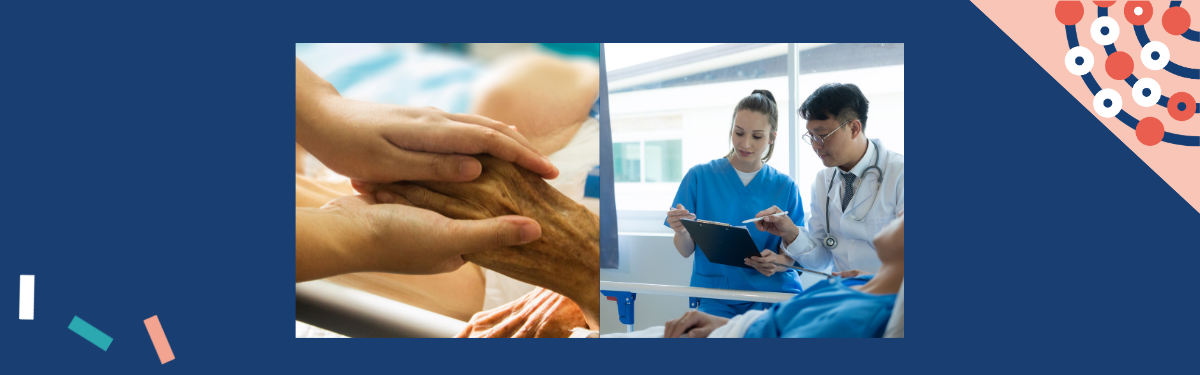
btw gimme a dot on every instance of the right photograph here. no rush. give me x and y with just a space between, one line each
758 190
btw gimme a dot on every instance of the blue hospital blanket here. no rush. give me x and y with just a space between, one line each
826 310
394 74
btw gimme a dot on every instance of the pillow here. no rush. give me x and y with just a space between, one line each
895 326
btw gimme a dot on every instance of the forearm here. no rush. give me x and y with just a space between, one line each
585 291
805 250
321 245
817 259
684 244
568 265
566 256
312 95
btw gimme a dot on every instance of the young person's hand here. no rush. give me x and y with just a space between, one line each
765 262
354 234
386 143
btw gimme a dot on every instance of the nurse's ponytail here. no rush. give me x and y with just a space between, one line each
763 102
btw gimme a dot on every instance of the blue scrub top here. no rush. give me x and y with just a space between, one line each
713 191
828 309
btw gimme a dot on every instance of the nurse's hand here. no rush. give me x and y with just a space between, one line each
694 324
851 273
673 217
781 226
765 263
374 142
396 238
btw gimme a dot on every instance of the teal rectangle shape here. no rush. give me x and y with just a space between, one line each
93 335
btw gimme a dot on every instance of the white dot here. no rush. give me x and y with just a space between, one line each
1073 66
1113 107
1139 92
1148 50
1137 11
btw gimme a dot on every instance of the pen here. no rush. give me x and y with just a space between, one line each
760 218
802 269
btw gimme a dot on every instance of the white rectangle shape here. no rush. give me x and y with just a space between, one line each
26 297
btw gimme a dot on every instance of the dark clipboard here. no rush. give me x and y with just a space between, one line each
721 243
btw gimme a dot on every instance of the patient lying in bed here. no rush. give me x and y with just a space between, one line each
828 309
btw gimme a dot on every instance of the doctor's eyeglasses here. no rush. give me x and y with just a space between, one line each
819 140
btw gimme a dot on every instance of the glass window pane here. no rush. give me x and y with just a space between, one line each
877 69
664 161
667 96
627 162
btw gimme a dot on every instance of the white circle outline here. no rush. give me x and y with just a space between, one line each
1088 60
1098 103
1164 55
1146 83
1114 31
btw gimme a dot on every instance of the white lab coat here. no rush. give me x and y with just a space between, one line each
854 248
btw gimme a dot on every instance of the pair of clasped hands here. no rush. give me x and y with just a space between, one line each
781 226
382 143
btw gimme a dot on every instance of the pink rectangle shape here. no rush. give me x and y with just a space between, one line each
160 340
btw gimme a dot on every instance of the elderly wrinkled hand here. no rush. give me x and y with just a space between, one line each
693 324
565 259
540 313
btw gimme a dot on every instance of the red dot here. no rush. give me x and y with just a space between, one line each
1149 131
1068 12
1176 20
1104 4
1118 65
1138 19
1189 106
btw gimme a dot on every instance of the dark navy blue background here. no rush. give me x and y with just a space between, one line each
145 172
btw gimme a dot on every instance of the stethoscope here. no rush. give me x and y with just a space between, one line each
830 241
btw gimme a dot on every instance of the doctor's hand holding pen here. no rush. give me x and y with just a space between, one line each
683 241
781 225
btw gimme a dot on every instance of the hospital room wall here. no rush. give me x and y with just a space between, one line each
705 112
651 259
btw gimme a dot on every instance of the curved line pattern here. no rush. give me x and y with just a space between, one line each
1125 117
1172 67
1111 49
1190 34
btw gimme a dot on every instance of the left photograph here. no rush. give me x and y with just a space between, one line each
447 190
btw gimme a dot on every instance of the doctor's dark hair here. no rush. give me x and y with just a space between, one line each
763 102
843 100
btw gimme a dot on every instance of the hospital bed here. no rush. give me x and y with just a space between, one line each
356 313
624 294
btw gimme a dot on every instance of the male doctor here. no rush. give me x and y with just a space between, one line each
855 197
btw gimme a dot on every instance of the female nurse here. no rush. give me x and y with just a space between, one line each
732 189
